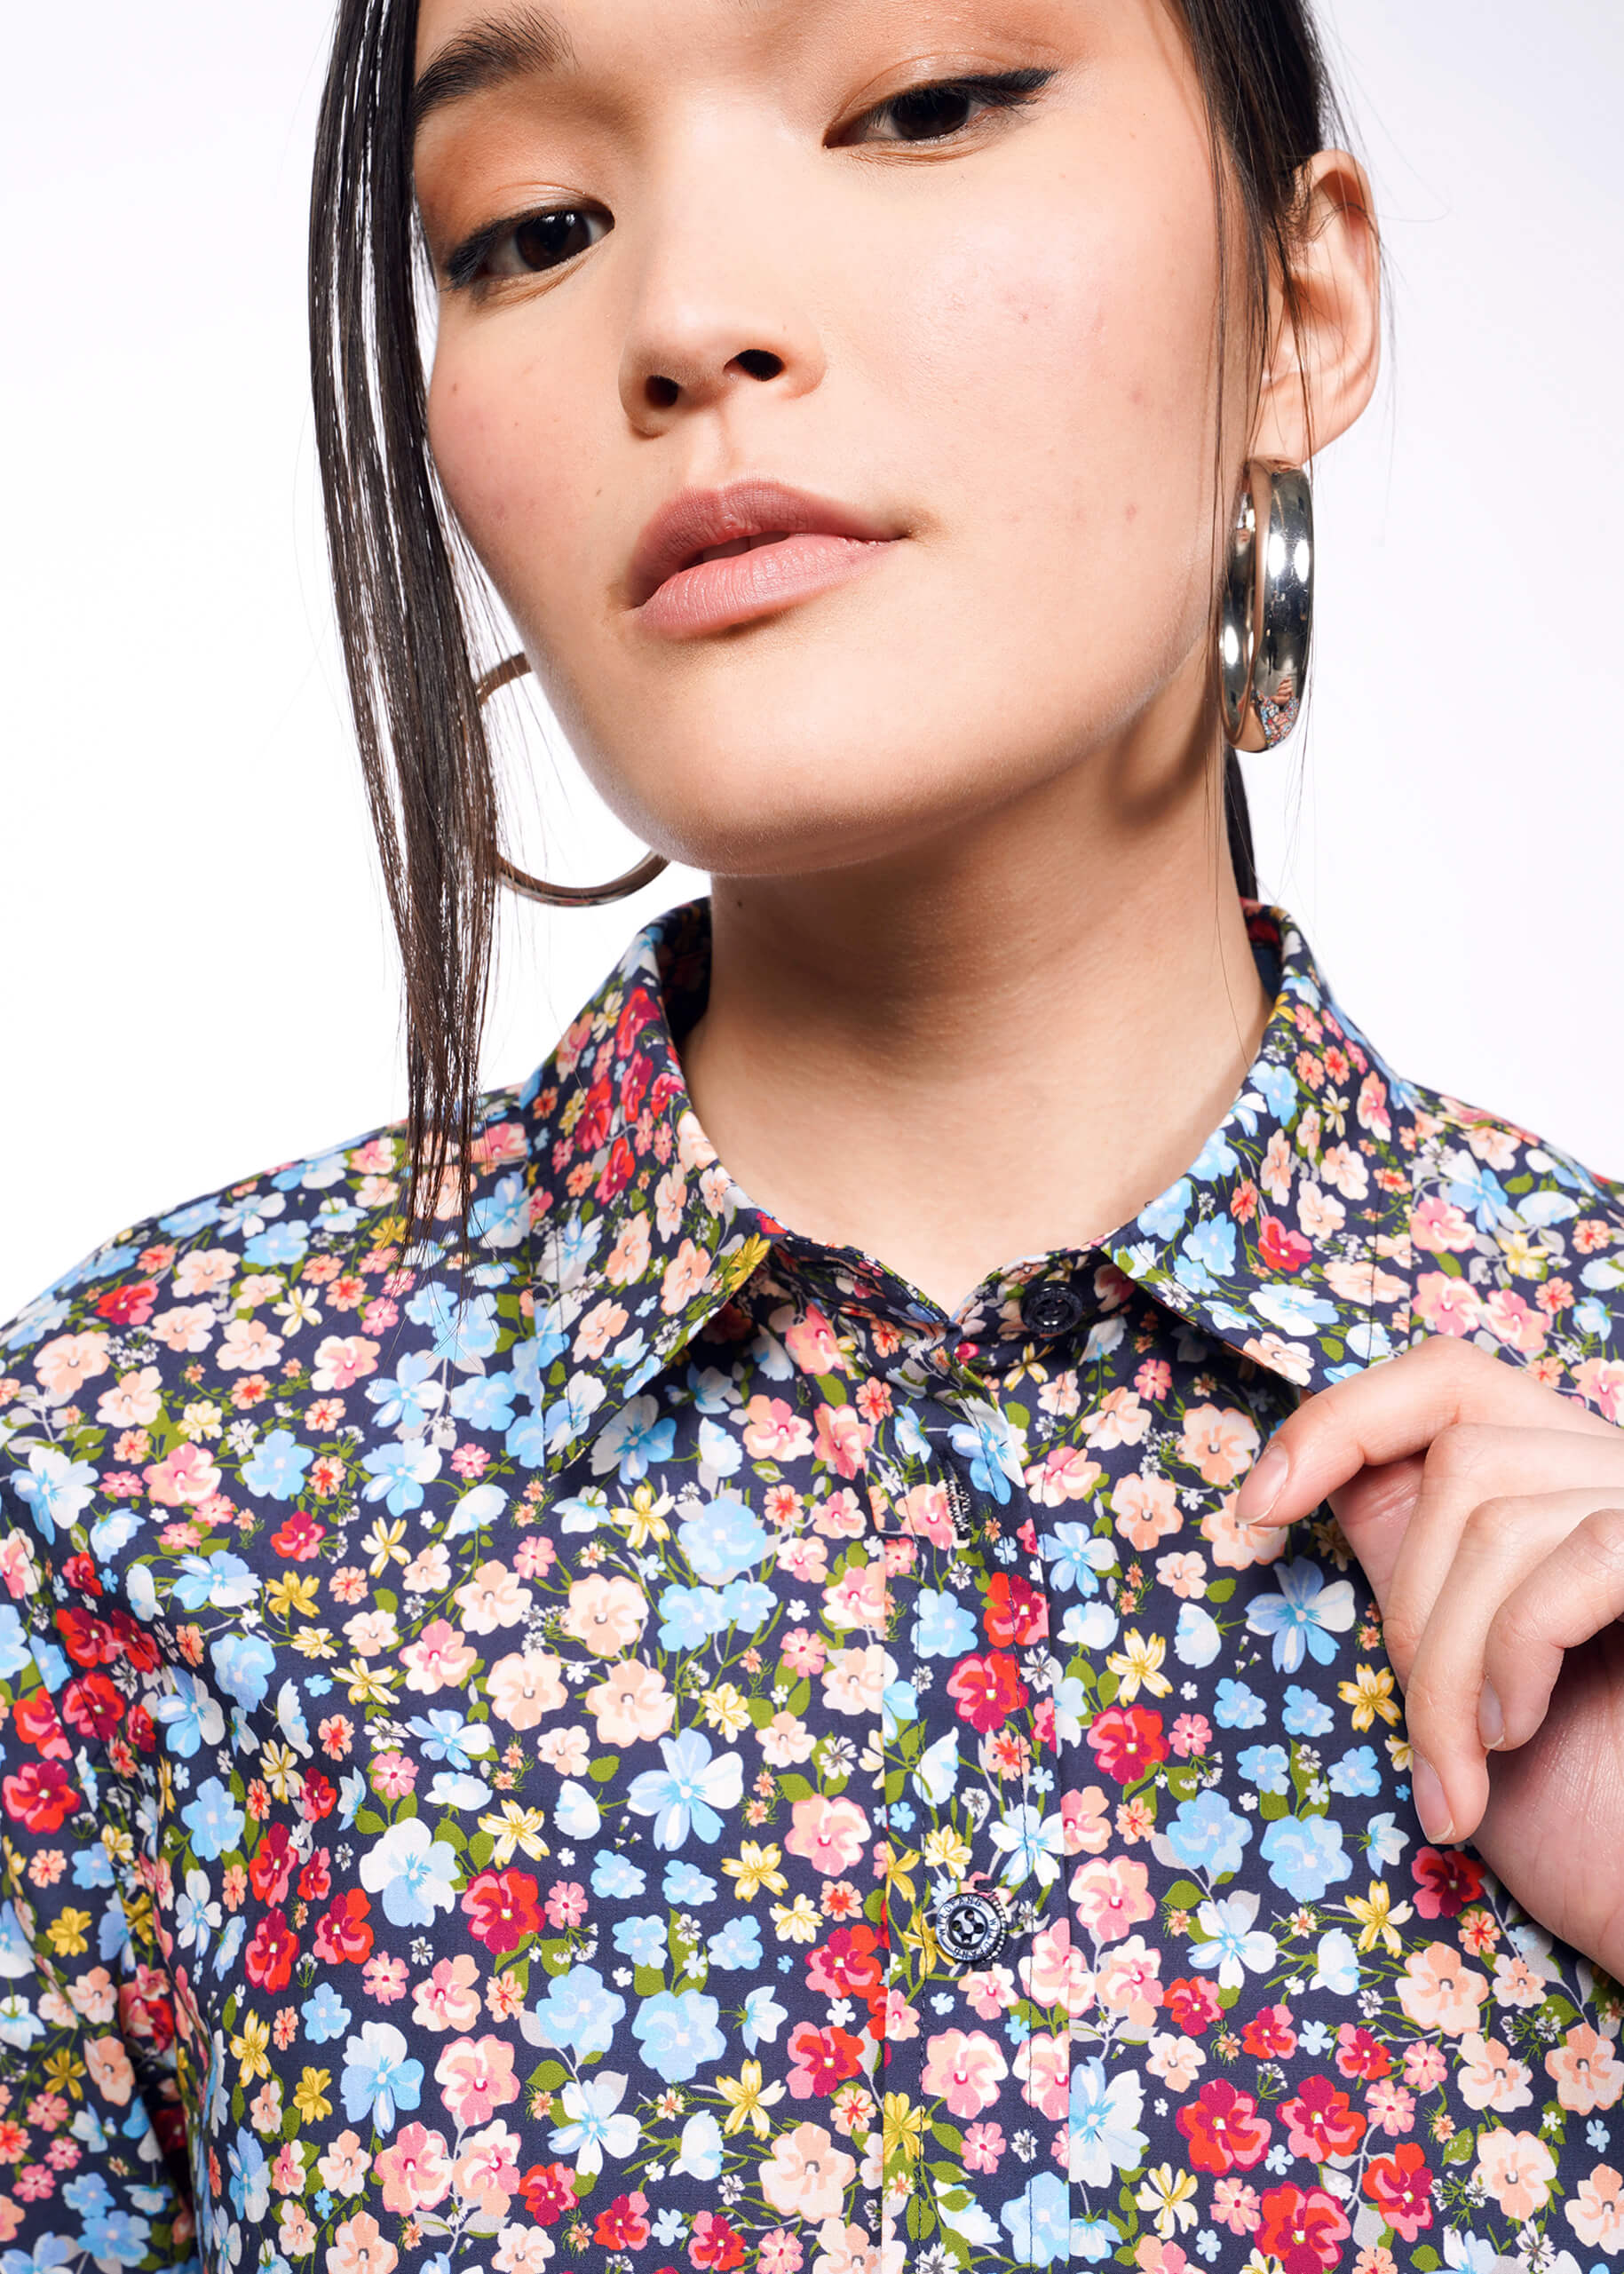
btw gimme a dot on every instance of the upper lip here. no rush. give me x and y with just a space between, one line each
697 518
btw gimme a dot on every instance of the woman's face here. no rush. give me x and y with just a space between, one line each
944 269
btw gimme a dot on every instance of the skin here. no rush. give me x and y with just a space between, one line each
970 892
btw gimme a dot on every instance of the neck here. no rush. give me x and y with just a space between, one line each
1005 1042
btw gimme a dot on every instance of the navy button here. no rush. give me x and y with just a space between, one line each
971 1928
1051 1307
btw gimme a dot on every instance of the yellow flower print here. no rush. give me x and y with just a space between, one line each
1137 1665
1370 1693
755 1867
748 2099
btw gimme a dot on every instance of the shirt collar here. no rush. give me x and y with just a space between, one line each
1286 1239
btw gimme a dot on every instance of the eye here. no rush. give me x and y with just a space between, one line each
528 247
943 109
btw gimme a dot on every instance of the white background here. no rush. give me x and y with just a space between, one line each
196 979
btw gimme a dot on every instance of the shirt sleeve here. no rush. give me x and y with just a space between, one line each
92 2138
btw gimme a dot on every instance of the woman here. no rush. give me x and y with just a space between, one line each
699 1663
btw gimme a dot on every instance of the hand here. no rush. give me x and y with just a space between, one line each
1488 1515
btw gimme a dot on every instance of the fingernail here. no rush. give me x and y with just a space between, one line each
1430 1805
1491 1720
1264 1486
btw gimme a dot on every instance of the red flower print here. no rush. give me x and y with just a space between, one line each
1359 2055
821 2059
502 1909
592 1129
713 2243
1324 2122
623 2226
344 1934
80 1571
271 1868
1269 2035
41 1795
272 1952
986 1691
1015 1614
1305 2231
88 1641
848 1963
318 1798
618 1171
299 1537
1446 1882
1128 1742
1193 2006
634 1086
139 1730
549 2190
1223 2128
316 1879
34 1721
639 1011
1282 1249
1400 2186
93 1705
130 1305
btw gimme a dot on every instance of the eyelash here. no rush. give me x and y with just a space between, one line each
1002 90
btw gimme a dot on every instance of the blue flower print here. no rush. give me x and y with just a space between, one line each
1075 1559
410 1398
190 1716
399 1472
1305 1856
1198 1637
15 1650
615 1875
1237 1706
690 1791
721 1542
763 2017
986 1440
222 1583
243 1664
464 1333
380 2079
633 1439
1306 1715
214 1819
594 2122
579 2010
689 1616
279 1243
1207 1254
643 1940
277 1468
1266 1766
415 1874
1232 1945
485 1401
56 1490
503 1218
1293 1310
1040 2222
678 2033
688 1887
1475 1188
943 1627
737 1948
326 2014
1206 1836
1163 1217
1103 2117
1356 1774
1303 1616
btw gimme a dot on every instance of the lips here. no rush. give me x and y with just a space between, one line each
698 522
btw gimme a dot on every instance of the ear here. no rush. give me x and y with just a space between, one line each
1333 354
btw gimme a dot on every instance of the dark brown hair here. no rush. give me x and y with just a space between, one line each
409 594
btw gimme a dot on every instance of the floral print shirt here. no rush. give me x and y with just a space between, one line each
642 1745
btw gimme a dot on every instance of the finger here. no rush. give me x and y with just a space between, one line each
1503 1545
1406 1542
1392 1410
1576 1592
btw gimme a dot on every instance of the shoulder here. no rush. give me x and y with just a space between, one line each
1514 1243
127 1386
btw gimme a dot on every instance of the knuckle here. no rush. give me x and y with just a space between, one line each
1496 1522
1460 1451
1603 1531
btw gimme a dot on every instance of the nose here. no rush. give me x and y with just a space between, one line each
716 313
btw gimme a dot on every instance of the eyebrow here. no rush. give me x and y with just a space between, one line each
488 54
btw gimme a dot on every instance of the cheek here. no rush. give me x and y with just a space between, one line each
510 442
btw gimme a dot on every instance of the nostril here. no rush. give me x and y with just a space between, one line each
661 393
759 362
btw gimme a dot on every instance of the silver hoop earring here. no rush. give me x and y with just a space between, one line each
537 888
1266 607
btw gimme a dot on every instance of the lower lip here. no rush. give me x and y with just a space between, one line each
715 595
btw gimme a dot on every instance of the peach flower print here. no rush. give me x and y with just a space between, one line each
476 2078
415 2170
1121 1419
630 1704
1043 2066
1595 2211
183 1478
807 2175
1491 2076
1113 1895
831 1833
964 2070
1588 2071
359 2247
1516 2170
66 1365
1220 1442
523 1687
1147 1510
1235 1546
1437 1992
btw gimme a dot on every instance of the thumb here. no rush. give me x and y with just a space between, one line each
1374 1510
